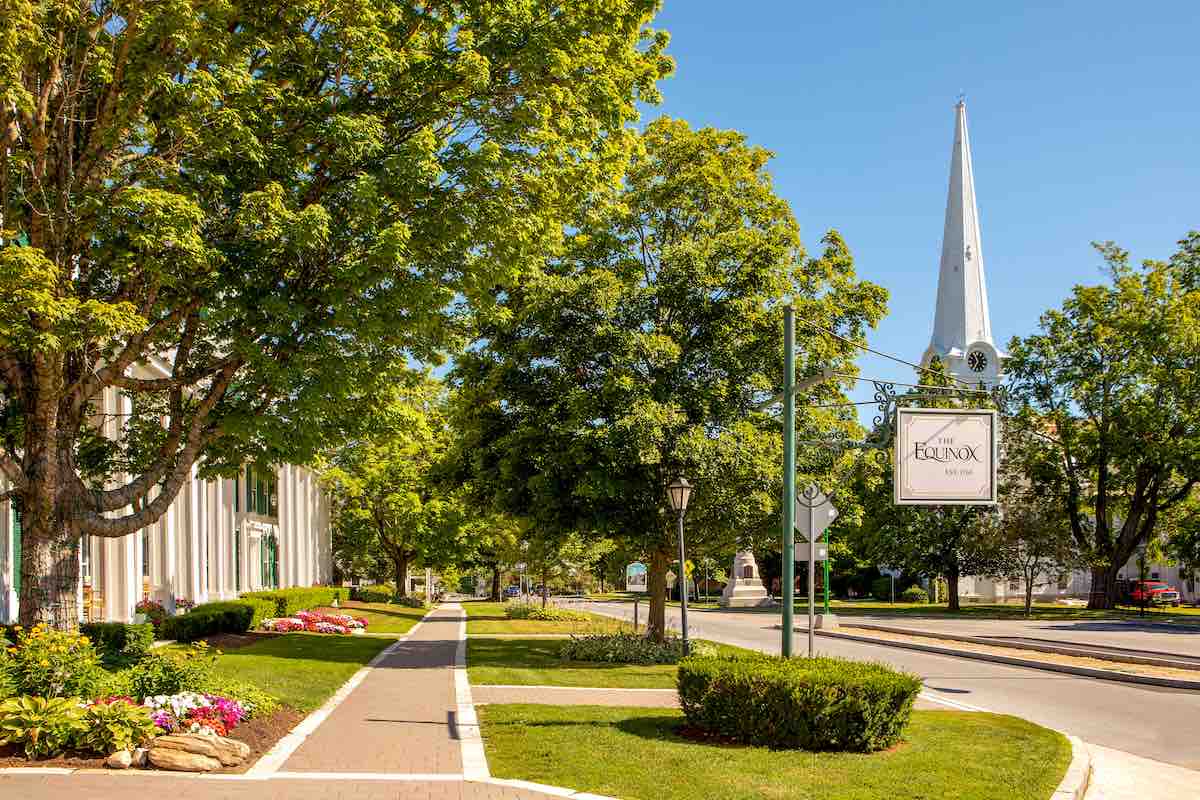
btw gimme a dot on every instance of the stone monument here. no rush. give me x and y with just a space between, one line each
745 588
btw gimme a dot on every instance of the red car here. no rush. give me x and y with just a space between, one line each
1154 593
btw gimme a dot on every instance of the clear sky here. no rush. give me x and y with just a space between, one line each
1084 121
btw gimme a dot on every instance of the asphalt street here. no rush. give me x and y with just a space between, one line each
1148 637
1148 721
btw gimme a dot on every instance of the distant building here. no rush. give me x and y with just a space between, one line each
218 538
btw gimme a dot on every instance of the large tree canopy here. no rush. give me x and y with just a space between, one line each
269 200
648 349
386 499
1107 405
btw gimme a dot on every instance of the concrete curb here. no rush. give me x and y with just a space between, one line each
1154 658
1074 784
1085 672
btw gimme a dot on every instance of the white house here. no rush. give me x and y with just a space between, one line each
218 538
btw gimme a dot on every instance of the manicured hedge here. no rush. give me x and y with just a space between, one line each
233 616
289 601
118 641
914 594
809 703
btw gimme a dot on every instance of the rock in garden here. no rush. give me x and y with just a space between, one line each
122 759
231 752
181 760
187 742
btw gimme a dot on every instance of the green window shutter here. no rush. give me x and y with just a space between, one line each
16 548
237 494
237 559
249 489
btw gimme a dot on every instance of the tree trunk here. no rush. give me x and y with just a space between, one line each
495 595
400 560
952 588
545 583
1104 587
656 588
49 575
1028 593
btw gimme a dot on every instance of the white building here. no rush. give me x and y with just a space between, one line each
962 326
218 538
962 341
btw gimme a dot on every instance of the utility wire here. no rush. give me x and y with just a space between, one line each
897 359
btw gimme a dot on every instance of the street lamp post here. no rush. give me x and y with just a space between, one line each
679 491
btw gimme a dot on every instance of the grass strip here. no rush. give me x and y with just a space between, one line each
635 753
302 670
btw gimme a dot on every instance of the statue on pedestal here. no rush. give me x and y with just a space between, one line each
745 587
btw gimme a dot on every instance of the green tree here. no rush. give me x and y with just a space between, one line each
646 350
273 200
1106 402
384 494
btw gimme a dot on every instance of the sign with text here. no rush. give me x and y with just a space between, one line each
635 577
945 457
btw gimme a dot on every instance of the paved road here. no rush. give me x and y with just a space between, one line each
1155 723
1183 640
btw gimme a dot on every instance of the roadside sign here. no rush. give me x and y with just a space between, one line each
945 456
635 577
814 513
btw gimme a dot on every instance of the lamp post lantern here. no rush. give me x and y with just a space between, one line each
679 491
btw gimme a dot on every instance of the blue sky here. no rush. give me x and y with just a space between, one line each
1084 122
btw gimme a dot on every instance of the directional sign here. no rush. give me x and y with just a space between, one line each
814 512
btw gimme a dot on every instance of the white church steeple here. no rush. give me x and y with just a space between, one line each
962 329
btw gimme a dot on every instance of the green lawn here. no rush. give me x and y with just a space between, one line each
634 753
488 617
535 662
301 669
381 617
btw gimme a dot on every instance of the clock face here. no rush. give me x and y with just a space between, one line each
977 361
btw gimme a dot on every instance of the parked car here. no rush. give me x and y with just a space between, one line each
1154 593
512 591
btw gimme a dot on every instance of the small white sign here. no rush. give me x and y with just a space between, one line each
635 577
945 457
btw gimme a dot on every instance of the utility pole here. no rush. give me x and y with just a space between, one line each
789 475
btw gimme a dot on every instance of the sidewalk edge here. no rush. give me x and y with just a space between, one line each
1074 784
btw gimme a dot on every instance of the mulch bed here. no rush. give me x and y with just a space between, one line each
261 734
233 641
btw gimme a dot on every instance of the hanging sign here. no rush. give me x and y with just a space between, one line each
945 456
635 577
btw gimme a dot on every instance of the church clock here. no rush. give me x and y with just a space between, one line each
977 361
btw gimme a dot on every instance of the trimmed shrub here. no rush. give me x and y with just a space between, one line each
809 703
914 594
232 616
547 614
629 648
289 601
410 601
120 642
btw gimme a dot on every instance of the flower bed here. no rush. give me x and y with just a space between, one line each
316 622
194 712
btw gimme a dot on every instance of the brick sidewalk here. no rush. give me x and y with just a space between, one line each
401 719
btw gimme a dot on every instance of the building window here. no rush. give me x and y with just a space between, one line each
237 559
145 552
237 494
